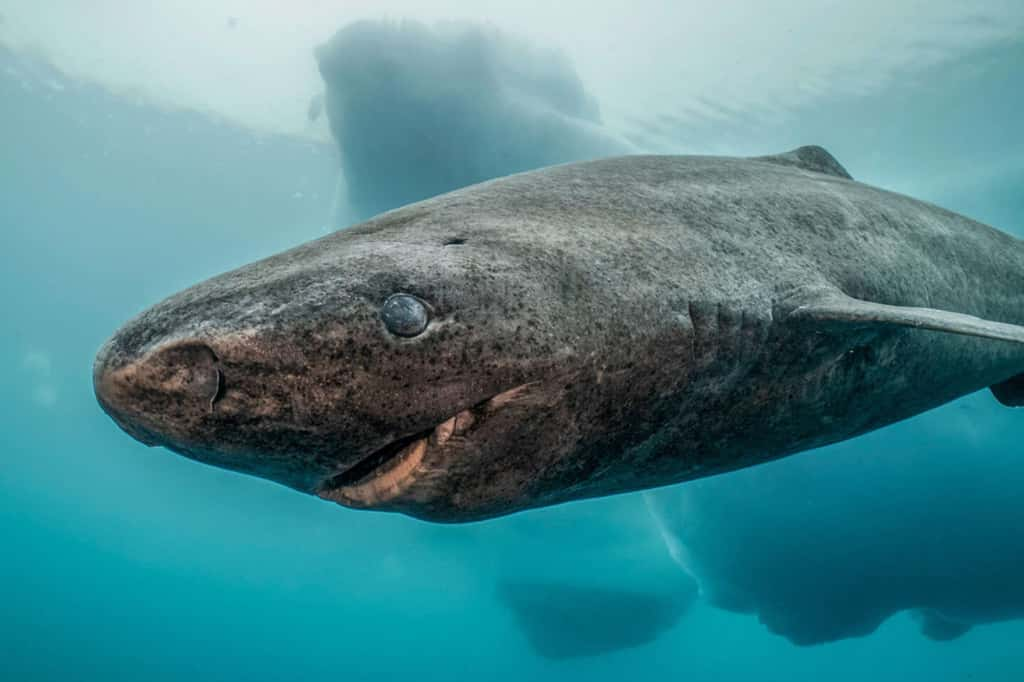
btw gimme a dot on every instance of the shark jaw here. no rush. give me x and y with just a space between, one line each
387 473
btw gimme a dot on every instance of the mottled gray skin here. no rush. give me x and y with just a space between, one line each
641 304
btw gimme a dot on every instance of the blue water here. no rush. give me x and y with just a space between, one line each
123 562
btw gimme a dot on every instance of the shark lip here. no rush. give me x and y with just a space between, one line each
378 461
389 471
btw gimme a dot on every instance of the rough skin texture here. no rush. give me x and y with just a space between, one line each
640 304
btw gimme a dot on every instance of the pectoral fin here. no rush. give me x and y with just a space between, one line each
838 308
1010 392
843 309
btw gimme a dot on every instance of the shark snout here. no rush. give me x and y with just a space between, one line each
184 394
159 396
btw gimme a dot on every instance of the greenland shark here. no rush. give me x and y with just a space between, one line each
581 330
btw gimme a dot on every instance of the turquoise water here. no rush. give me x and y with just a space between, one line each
123 562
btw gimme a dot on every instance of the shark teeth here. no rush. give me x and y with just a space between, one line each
463 421
444 431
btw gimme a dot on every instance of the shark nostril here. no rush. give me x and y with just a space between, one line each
192 369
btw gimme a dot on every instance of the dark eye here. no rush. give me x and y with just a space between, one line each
404 315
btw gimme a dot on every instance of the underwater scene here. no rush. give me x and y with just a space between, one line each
697 402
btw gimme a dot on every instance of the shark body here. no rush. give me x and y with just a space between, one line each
577 331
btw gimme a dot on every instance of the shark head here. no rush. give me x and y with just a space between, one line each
412 363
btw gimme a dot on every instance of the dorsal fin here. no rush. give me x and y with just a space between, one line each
812 158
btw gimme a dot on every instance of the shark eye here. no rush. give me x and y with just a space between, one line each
404 315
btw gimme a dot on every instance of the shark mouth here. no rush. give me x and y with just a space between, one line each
388 472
